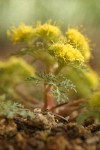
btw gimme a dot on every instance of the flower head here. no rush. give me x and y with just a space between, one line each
95 100
78 41
66 53
20 34
47 31
15 70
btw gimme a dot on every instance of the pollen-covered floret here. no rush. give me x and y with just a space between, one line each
20 34
65 53
78 41
47 31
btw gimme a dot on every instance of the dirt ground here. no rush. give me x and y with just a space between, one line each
47 132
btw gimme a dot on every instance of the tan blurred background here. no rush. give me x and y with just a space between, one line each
84 14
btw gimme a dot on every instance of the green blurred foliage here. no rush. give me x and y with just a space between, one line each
13 73
63 11
86 81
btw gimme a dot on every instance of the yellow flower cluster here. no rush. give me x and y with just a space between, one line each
93 78
16 69
20 34
49 38
79 41
95 100
66 53
47 31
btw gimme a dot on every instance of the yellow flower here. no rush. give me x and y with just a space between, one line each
66 53
92 77
73 54
95 100
21 64
47 31
20 34
16 70
78 41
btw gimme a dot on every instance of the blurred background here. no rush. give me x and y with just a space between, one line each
84 14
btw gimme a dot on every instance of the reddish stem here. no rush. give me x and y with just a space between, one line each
48 99
67 108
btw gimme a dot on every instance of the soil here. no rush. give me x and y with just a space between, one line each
47 132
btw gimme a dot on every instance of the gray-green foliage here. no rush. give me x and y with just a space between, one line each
11 109
60 85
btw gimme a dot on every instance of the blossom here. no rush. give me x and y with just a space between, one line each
20 34
92 77
78 41
47 31
16 69
95 100
65 53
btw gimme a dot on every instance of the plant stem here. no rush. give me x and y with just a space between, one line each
59 69
48 99
68 108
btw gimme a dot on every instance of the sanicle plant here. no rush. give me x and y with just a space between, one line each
57 51
48 44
